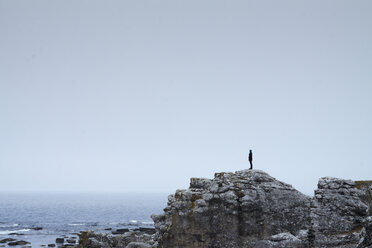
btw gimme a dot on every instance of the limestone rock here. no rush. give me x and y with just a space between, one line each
251 209
338 211
98 240
232 210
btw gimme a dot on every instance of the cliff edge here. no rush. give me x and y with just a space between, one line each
249 208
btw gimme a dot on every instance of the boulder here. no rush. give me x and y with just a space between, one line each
232 210
251 209
60 240
7 240
338 209
16 234
71 241
20 242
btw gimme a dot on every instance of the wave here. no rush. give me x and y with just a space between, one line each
14 231
76 224
2 225
138 223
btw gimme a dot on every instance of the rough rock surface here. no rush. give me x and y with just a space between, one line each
128 239
234 210
251 209
338 210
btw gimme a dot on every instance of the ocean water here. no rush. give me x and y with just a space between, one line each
67 214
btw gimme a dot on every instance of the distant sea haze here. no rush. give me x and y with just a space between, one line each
65 214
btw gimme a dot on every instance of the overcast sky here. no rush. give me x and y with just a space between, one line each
142 95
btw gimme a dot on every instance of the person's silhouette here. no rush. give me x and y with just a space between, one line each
250 158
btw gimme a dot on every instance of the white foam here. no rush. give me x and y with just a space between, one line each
14 231
76 224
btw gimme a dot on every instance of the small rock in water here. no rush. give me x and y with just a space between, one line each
20 242
7 240
60 240
51 245
36 228
17 234
71 241
120 231
108 229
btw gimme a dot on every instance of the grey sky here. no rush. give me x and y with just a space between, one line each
143 95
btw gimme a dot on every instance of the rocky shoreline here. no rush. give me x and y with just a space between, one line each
249 208
75 240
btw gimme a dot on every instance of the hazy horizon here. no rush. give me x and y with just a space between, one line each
139 96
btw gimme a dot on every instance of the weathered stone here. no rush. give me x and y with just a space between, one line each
7 240
60 240
71 241
16 234
20 242
251 209
337 212
98 240
232 210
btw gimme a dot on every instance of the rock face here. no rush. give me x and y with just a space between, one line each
338 211
249 208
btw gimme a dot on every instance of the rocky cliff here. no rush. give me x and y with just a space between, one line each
249 208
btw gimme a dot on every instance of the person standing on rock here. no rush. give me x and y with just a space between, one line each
250 158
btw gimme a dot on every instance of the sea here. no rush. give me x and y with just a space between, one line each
66 214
